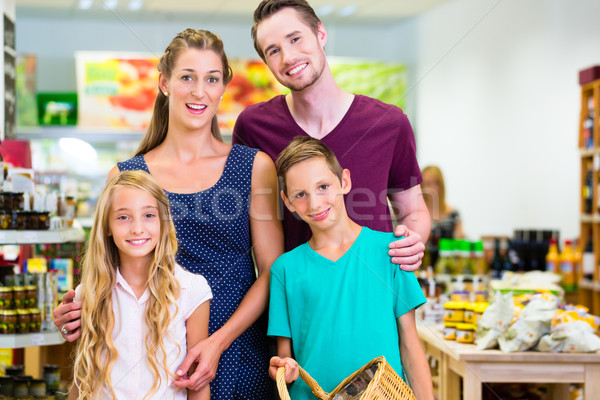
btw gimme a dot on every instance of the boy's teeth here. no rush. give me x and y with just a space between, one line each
196 106
297 69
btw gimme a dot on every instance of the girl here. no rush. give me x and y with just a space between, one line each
223 202
139 308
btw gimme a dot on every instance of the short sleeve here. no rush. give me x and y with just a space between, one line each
404 172
279 319
194 291
408 291
239 135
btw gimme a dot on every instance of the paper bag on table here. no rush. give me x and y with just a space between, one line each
494 321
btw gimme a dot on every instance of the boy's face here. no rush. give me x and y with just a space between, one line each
315 193
292 51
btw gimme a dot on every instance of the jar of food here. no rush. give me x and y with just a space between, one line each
459 295
469 313
465 333
35 324
8 321
6 297
23 320
481 296
31 220
43 220
37 387
7 386
18 201
18 220
19 297
70 210
21 385
5 200
5 219
449 330
15 370
30 296
52 377
454 311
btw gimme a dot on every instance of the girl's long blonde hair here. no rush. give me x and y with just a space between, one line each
188 39
96 352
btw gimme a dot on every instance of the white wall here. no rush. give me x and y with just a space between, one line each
498 108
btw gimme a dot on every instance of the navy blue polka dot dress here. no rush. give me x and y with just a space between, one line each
213 233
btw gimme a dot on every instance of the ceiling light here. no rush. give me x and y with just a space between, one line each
135 5
85 4
347 11
110 4
325 10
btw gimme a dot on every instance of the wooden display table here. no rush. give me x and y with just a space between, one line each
477 366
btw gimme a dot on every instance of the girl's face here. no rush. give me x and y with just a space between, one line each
195 88
134 223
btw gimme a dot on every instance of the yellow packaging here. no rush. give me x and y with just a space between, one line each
465 333
450 330
454 311
469 316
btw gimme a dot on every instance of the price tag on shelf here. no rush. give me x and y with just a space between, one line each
597 162
37 339
30 237
2 237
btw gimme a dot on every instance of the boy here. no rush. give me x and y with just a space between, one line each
336 302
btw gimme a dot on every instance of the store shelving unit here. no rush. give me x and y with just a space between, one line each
589 289
36 343
22 340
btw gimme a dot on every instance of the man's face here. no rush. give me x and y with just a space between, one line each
293 52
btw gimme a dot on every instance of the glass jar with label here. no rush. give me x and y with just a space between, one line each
35 323
6 297
23 320
19 297
454 311
465 333
8 321
30 296
449 330
37 387
52 377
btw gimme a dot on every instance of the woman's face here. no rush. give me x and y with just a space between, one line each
194 89
430 184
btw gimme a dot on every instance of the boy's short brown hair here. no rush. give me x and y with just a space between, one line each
304 148
267 8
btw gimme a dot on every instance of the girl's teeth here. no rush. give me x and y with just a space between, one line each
196 106
138 241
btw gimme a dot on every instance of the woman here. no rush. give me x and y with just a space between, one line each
223 201
445 221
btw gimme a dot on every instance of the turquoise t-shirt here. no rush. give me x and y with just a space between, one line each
340 315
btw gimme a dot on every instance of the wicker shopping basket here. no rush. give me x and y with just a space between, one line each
385 385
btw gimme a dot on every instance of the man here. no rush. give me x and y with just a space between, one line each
372 139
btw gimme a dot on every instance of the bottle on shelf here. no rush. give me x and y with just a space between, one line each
553 257
445 260
465 266
567 266
479 265
588 125
587 260
497 263
588 190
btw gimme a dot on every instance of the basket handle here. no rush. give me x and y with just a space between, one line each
314 386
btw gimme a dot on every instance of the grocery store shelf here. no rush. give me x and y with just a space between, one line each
40 236
86 134
19 340
589 218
